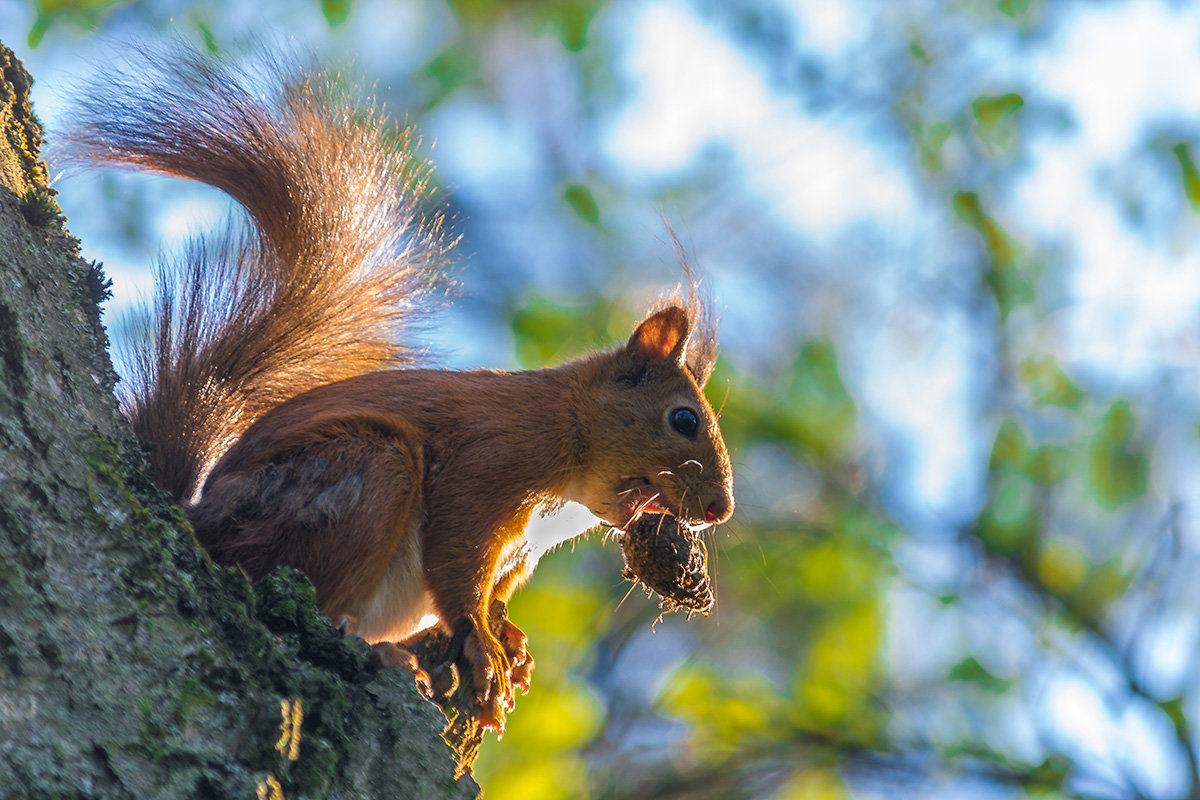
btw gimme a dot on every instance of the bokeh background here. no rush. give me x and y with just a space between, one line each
956 249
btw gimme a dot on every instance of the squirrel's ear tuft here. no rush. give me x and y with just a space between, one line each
662 336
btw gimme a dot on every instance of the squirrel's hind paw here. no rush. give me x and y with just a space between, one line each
390 654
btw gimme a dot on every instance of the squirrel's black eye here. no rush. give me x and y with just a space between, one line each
685 421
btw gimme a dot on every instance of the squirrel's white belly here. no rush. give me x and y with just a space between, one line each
400 605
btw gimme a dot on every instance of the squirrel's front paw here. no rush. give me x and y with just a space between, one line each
490 674
514 641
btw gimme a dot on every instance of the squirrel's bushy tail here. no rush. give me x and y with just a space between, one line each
334 258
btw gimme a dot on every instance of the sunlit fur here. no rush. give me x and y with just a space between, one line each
333 261
700 354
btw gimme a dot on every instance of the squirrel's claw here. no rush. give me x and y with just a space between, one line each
521 673
492 716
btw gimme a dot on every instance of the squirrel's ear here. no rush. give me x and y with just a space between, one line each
662 336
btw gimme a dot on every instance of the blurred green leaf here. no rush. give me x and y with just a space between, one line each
1052 771
336 11
1050 464
1010 520
206 33
78 13
820 416
1014 8
547 333
567 19
722 709
478 11
455 66
562 716
1011 448
580 199
555 608
1049 384
1105 584
930 143
1061 566
993 111
1188 174
971 671
995 120
1003 276
1118 470
1175 711
692 688
570 19
838 569
843 664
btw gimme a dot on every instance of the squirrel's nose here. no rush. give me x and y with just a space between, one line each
719 510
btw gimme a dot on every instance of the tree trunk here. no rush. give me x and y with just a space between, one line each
130 665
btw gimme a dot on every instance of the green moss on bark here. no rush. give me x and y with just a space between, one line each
20 165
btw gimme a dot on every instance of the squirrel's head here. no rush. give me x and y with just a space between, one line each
652 439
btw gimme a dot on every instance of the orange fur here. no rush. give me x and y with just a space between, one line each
397 491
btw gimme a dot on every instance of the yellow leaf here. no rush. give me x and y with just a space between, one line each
813 784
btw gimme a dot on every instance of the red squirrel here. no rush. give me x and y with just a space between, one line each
292 427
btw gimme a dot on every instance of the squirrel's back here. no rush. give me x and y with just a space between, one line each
333 258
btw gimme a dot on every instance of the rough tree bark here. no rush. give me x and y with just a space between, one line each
131 666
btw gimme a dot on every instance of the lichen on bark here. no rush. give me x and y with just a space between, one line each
130 665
